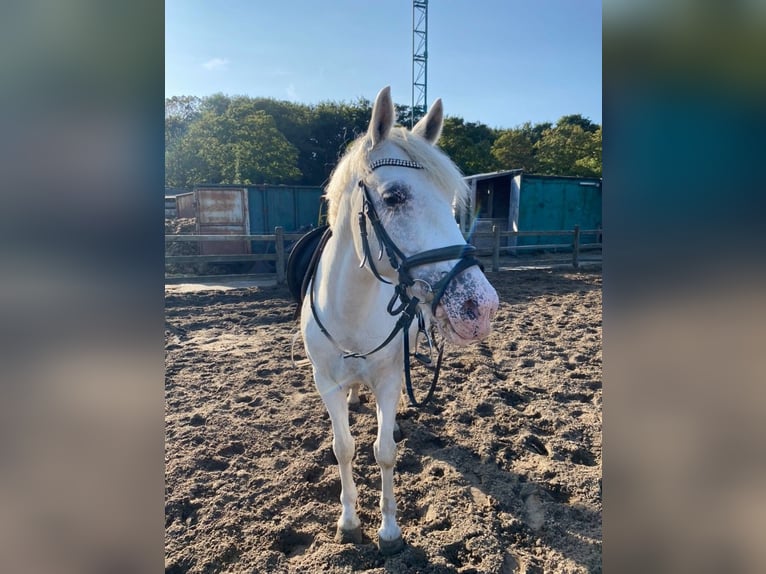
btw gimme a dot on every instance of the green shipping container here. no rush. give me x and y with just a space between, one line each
291 207
558 203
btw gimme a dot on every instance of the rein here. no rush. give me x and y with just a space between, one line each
401 302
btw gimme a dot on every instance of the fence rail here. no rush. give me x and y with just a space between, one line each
279 238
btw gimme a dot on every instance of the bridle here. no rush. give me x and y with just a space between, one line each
402 303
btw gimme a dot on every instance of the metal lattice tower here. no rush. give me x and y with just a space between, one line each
419 59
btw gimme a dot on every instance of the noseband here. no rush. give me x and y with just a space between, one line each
403 264
407 307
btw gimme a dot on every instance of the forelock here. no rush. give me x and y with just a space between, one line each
437 166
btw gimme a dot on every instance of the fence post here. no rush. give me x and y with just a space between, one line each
279 247
495 248
576 247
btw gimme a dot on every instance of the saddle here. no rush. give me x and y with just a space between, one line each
303 260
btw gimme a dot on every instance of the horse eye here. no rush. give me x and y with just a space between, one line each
393 198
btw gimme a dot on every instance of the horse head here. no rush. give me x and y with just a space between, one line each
412 188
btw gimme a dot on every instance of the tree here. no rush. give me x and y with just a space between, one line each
515 148
578 120
589 164
570 149
180 113
185 108
403 115
469 145
239 139
333 126
232 142
293 120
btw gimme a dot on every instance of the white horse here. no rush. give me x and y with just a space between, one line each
393 191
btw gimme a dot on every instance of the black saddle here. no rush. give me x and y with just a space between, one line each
303 259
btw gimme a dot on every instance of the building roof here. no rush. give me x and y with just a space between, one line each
491 174
515 172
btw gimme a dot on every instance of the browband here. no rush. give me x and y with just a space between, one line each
394 162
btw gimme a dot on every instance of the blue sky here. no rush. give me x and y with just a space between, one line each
499 62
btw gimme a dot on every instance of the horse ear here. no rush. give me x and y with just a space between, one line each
430 125
382 116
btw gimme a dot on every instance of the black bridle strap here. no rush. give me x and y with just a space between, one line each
398 260
404 322
408 378
440 287
440 254
392 251
408 309
403 264
366 248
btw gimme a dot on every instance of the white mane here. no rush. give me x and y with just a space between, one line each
354 165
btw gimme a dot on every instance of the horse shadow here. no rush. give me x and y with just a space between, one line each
534 505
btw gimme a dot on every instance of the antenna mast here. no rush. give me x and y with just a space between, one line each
419 59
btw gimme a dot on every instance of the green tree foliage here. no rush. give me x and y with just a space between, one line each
469 145
180 112
232 142
589 163
241 140
515 148
577 120
403 115
571 147
333 127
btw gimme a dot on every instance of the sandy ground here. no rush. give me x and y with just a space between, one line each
500 473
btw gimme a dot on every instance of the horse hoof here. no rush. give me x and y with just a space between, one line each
349 536
389 547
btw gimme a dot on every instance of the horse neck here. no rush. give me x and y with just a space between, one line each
347 294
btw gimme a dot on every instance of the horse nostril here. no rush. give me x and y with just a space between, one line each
470 309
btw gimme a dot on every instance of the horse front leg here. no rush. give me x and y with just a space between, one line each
348 528
387 399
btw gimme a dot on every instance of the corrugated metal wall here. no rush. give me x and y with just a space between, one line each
558 203
293 208
185 205
256 210
222 211
290 207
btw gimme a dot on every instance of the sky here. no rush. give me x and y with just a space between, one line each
498 62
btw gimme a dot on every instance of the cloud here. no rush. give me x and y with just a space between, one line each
216 64
291 93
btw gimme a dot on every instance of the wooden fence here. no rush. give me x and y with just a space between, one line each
280 238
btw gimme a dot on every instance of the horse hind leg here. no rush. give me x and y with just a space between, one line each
348 527
353 397
389 535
